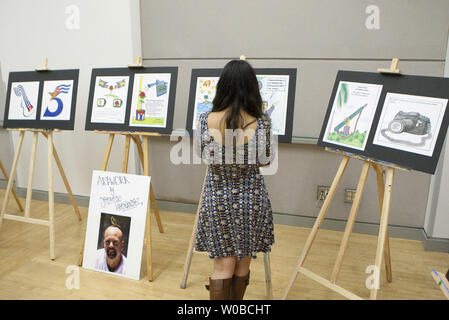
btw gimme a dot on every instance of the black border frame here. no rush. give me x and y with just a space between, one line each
109 72
42 76
436 87
291 72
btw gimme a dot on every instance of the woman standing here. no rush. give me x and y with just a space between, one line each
235 218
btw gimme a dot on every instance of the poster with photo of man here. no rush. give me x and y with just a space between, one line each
116 223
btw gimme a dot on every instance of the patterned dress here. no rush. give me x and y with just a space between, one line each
235 217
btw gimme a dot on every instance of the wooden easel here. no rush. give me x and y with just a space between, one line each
191 250
2 168
383 247
144 159
48 134
145 162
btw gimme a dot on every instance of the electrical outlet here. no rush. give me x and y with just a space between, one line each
322 192
349 195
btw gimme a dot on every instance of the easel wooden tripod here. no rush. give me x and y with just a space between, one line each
48 134
144 159
383 247
5 174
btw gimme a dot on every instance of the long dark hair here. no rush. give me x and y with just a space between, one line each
238 89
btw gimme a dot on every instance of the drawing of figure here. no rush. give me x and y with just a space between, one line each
28 108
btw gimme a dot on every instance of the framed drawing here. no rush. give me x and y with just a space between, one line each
132 99
116 223
277 89
352 114
410 123
401 120
41 100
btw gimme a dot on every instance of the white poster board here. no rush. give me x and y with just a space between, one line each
352 114
149 107
410 123
116 223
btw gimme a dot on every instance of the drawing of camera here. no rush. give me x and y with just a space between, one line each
410 122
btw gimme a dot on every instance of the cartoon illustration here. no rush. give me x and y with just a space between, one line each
116 101
352 114
61 89
110 94
205 93
161 87
408 122
28 108
150 96
140 112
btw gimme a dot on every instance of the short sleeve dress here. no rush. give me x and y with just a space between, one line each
235 216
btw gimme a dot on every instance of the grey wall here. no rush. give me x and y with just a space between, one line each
437 215
32 30
318 38
6 153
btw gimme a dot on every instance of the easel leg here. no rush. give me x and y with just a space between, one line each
381 188
318 222
11 180
146 170
192 238
351 221
126 154
383 228
268 283
104 165
51 200
16 197
30 175
107 152
152 197
64 179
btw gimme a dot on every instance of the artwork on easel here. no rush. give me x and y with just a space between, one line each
274 93
277 90
57 100
116 223
110 98
23 100
406 122
352 114
205 93
41 100
149 105
132 99
410 123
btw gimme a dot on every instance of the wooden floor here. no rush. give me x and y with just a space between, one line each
26 272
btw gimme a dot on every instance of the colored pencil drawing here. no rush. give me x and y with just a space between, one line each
352 114
149 105
110 99
57 100
410 123
205 92
23 100
274 93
